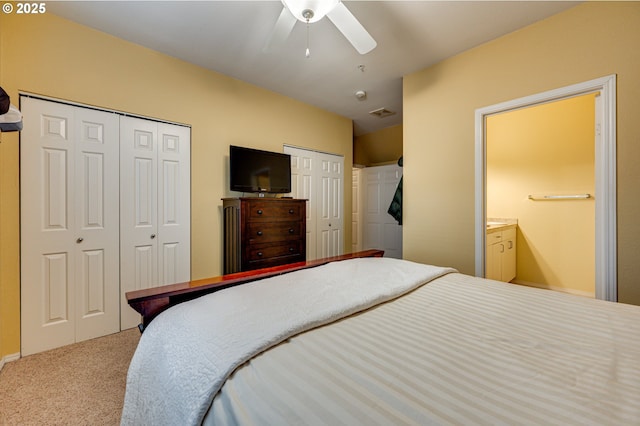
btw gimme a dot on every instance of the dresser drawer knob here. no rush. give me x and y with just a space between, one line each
259 211
291 230
259 254
259 233
291 211
291 249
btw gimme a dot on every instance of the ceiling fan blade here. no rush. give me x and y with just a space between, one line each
281 30
352 29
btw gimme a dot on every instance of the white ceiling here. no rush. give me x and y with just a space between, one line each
228 37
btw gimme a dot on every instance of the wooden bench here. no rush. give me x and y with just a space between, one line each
150 302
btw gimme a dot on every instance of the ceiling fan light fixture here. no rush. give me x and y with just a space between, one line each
318 9
310 11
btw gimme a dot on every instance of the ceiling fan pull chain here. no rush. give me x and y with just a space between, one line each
307 53
307 14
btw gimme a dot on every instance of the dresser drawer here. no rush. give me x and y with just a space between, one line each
268 250
271 254
262 232
273 211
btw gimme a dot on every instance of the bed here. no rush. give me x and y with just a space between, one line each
386 341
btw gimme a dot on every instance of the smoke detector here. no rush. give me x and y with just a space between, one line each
382 112
361 95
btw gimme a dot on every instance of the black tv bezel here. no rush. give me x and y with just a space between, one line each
252 189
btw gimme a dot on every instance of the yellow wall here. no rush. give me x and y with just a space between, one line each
382 146
547 149
591 40
55 57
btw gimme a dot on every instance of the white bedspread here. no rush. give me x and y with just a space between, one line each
187 352
458 351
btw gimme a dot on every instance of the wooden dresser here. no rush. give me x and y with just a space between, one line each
263 232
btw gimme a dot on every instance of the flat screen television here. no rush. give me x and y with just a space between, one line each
254 170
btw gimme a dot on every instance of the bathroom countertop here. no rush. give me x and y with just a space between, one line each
500 224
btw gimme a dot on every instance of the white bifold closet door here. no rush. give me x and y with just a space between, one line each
330 206
318 178
69 225
105 209
155 207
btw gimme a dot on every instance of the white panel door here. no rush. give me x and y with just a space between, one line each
318 178
380 229
155 208
47 226
69 225
329 228
138 211
174 204
303 187
97 202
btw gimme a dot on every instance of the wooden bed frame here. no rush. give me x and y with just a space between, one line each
150 302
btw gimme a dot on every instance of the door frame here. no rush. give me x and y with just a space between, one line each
605 175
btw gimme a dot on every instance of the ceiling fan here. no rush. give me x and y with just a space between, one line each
310 11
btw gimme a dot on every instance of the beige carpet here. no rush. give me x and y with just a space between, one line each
79 384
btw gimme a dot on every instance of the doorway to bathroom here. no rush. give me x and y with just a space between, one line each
541 195
540 175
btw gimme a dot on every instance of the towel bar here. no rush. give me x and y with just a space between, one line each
559 197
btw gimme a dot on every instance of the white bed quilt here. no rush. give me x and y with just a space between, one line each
458 351
186 354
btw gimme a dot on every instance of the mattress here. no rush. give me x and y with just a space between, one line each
451 349
459 350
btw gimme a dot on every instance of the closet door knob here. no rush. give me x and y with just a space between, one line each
79 240
153 236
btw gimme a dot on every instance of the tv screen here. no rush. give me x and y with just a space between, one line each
253 170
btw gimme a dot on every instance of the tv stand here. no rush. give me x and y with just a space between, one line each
261 232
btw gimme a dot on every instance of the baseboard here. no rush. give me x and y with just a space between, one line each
9 358
560 289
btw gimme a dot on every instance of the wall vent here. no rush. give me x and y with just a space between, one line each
381 112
